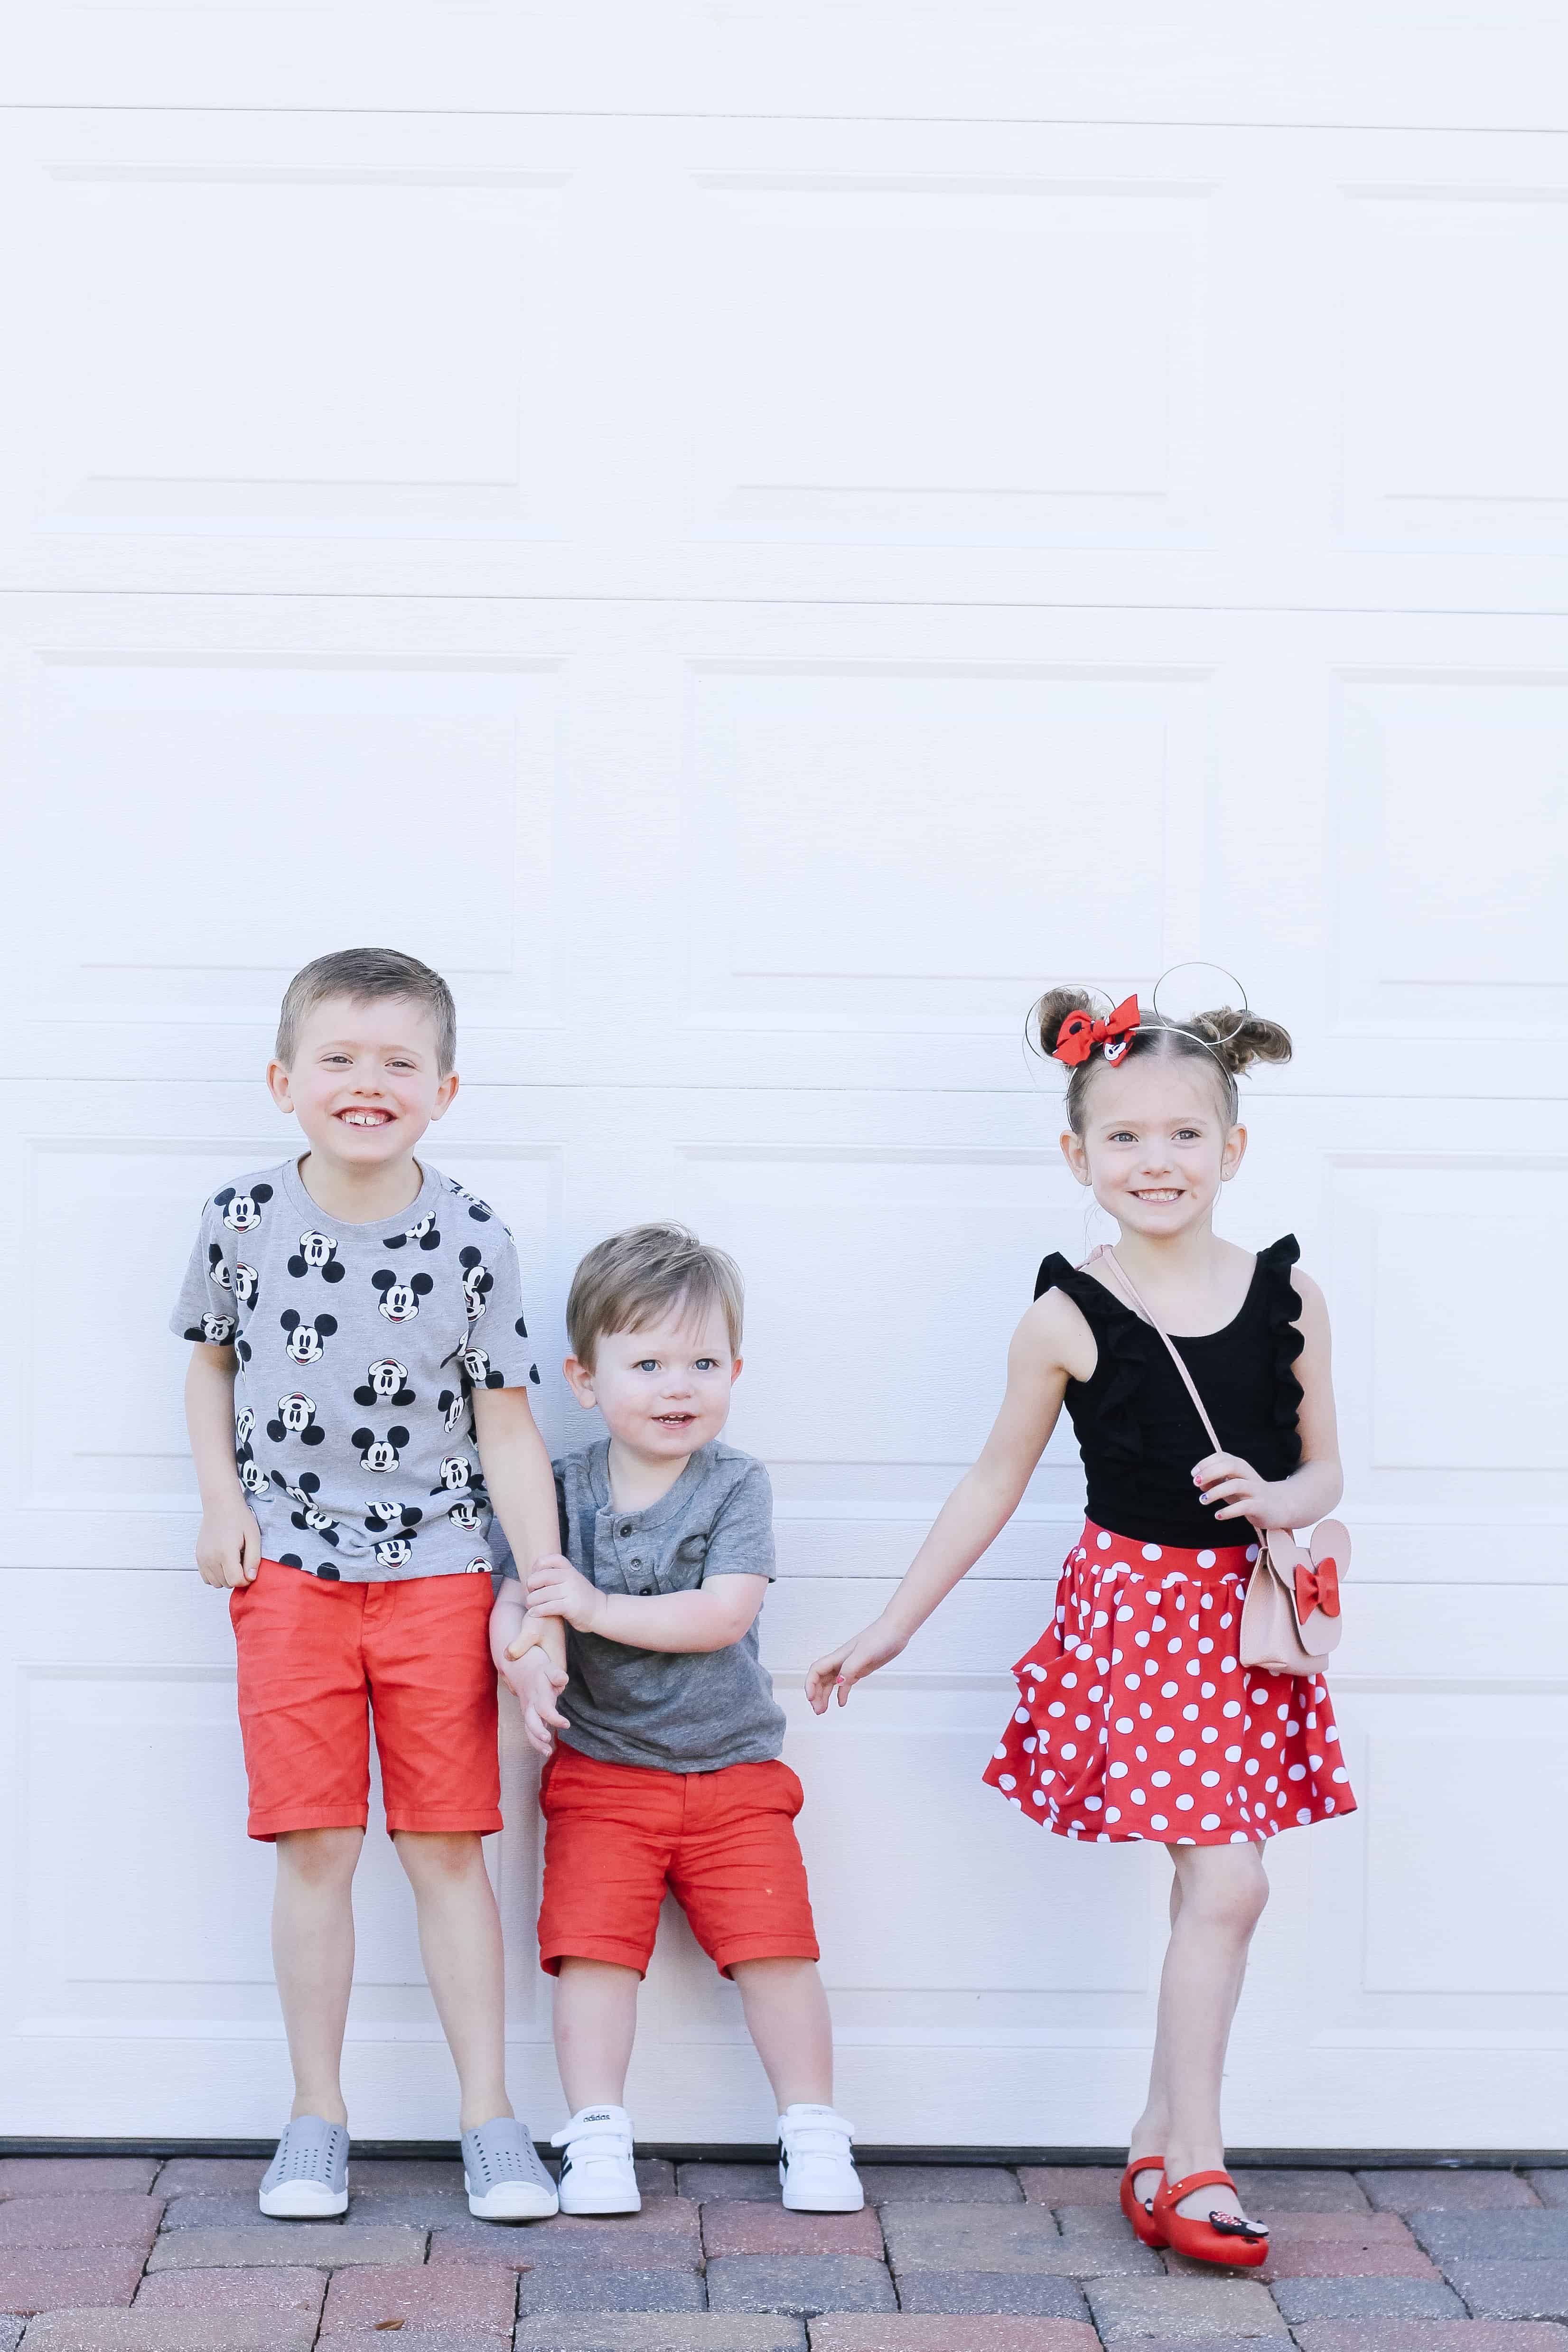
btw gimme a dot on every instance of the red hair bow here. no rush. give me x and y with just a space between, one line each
1317 1587
1080 1033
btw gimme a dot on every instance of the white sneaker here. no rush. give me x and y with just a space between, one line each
817 2170
598 2174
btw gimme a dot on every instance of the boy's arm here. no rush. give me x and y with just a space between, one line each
521 1486
228 1545
717 1614
535 1682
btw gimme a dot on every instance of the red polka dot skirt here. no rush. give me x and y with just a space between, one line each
1136 1719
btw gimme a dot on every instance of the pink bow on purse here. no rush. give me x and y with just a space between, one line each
1290 1619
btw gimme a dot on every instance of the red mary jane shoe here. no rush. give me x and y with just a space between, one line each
1209 2237
1145 2229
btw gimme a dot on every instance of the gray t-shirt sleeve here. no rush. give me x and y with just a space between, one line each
499 1354
740 1540
205 1309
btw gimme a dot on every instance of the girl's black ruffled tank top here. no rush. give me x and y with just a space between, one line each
1136 1427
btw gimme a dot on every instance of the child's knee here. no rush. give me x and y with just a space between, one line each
319 1857
1228 1893
439 1857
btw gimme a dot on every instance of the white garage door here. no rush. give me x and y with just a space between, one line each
863 553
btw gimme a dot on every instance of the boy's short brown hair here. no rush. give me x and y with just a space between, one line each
624 1283
361 974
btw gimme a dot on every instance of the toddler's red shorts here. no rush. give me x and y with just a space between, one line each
317 1659
723 1843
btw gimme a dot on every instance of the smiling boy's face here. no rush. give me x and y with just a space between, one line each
664 1391
366 1079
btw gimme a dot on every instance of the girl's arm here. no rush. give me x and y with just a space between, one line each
985 1499
1233 1487
228 1545
535 1682
521 1486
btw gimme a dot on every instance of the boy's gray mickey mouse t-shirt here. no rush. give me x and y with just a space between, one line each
360 1346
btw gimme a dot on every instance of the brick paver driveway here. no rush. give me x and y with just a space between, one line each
129 2254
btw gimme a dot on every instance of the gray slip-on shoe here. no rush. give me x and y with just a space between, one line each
503 2176
308 2179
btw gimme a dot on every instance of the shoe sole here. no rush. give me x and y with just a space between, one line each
512 2200
824 2205
605 2204
302 2200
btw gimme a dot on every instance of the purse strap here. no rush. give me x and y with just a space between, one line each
1120 1276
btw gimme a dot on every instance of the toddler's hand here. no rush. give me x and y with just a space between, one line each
842 1668
229 1544
535 1684
1225 1478
555 1589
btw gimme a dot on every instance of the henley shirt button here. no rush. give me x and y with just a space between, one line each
625 1527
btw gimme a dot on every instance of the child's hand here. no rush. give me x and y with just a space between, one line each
535 1684
228 1543
842 1668
555 1589
1225 1478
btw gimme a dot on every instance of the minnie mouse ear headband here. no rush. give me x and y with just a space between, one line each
1113 1033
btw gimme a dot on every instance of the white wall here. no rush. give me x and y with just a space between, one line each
860 511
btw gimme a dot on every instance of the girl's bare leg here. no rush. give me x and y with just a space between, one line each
1216 1903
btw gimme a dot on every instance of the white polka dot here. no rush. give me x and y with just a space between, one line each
1038 1672
1141 1640
1081 1722
1210 1779
1169 1690
1146 1710
1253 1764
1297 1773
1305 1813
1158 1822
1266 1740
1209 1822
1006 1780
1114 1812
1194 1666
1157 1624
1190 1713
1067 1753
1239 1837
1124 1723
1129 1681
1117 1772
1209 1735
1098 1692
1316 1762
1164 1732
1252 1551
1020 1715
1188 1755
1228 1620
1173 1645
1094 1804
1030 1745
1272 1783
1046 1778
1039 1796
999 1755
1123 1614
1206 1690
1232 1707
1340 1772
1204 1646
1206 1560
1161 1780
1232 1755
1184 1804
1056 1708
1152 1551
1103 1541
1070 1681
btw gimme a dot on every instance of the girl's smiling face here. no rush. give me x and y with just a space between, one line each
1157 1143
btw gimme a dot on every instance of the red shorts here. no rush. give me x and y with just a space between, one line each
723 1843
317 1658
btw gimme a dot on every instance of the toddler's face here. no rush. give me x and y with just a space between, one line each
1156 1144
663 1391
366 1082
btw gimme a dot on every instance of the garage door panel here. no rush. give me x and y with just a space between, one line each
945 360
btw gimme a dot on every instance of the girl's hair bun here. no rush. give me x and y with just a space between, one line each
1239 1039
1046 1016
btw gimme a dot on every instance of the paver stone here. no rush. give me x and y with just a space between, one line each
939 2184
1016 2294
1515 2290
1305 2299
1431 2336
288 2292
754 2181
76 2176
1003 2238
742 2226
80 2220
1070 2184
906 2332
611 2286
324 2245
462 2297
801 2284
64 2280
1179 2310
1435 2189
170 2331
694 2331
1301 2188
1482 2237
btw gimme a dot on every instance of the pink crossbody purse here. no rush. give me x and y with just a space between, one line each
1290 1619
